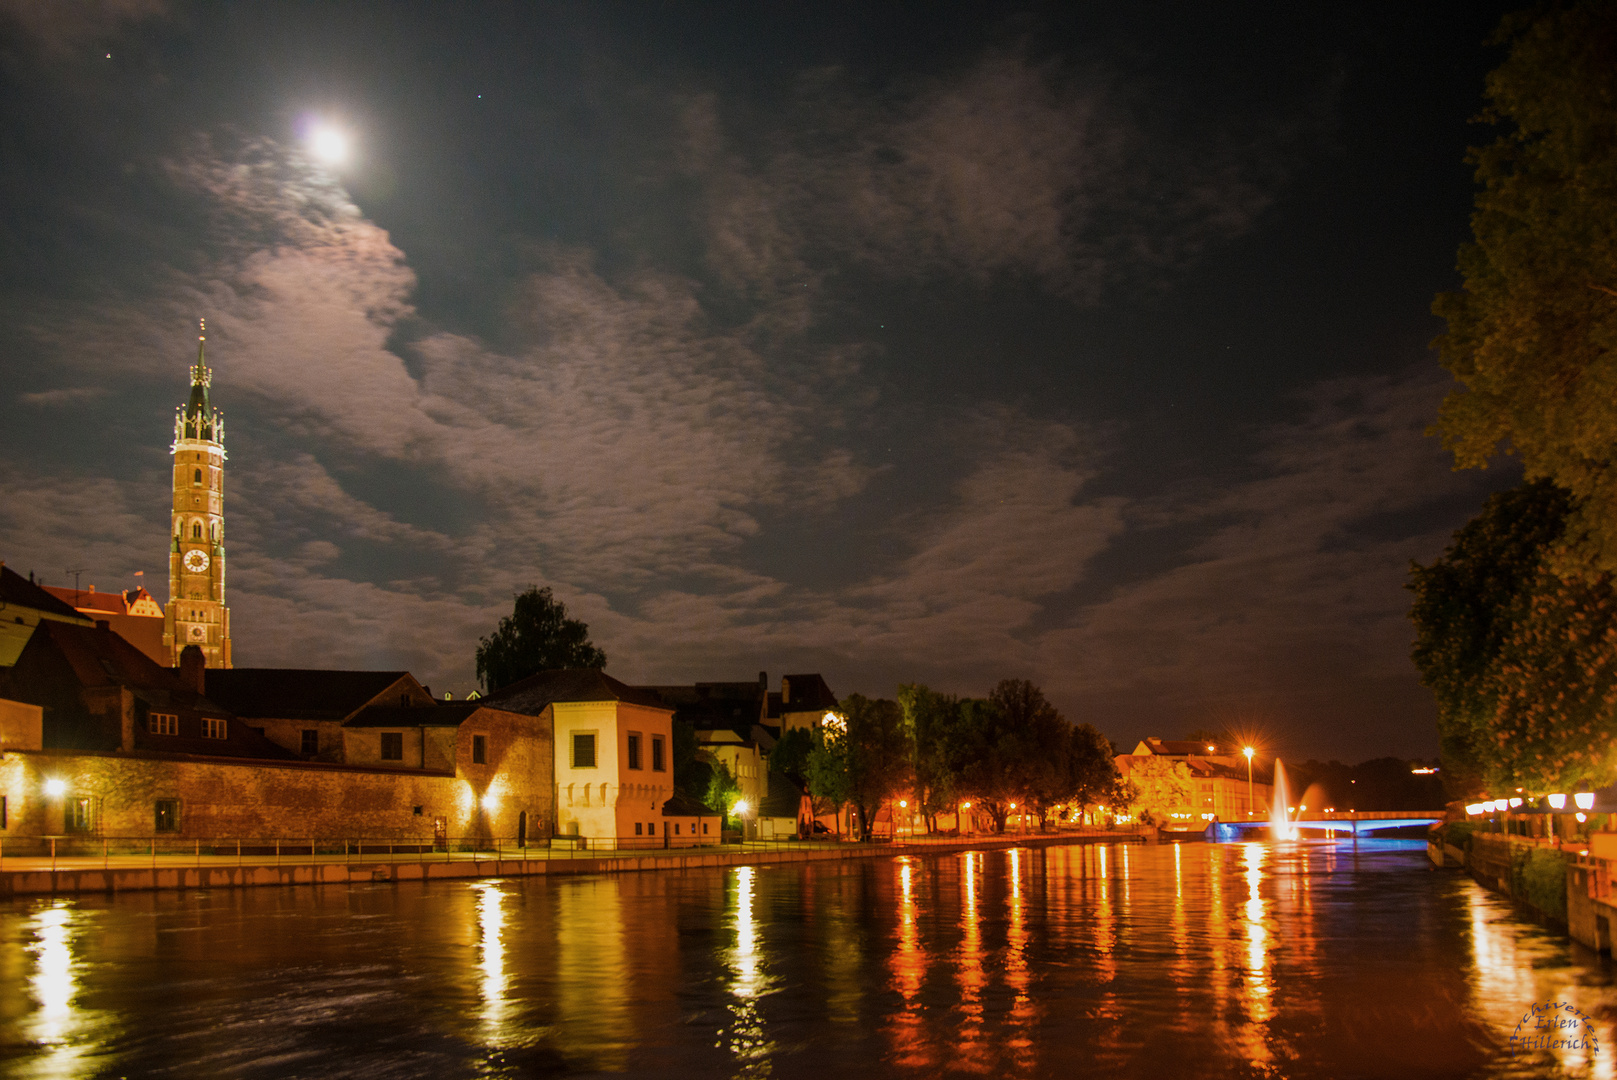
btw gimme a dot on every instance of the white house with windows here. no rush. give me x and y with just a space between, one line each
614 757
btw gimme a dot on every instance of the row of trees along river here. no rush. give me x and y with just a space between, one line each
936 751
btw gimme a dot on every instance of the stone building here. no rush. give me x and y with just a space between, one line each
127 748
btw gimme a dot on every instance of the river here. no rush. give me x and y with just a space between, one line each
1310 959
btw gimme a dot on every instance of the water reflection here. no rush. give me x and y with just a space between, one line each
491 959
57 1022
972 1046
747 1042
1018 974
1179 960
908 966
592 1011
1256 987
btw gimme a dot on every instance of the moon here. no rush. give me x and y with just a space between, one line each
328 144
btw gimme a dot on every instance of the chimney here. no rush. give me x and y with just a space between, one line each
785 690
763 682
194 668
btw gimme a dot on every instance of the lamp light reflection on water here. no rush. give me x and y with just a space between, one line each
1258 992
54 987
748 1043
491 951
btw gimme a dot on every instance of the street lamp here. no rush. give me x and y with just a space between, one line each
1248 751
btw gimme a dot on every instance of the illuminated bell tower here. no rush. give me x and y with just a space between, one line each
196 612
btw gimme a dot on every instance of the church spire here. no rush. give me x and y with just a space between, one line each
200 375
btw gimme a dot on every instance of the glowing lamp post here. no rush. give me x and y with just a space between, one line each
1248 751
740 810
1585 800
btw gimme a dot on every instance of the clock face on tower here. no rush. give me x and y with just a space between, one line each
196 561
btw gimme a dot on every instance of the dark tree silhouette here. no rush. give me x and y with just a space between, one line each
536 636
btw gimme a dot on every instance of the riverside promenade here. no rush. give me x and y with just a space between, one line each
212 869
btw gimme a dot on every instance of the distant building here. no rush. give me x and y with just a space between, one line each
802 702
23 605
1220 790
134 616
737 725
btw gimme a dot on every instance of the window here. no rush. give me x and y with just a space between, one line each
392 746
196 530
676 828
197 478
583 749
213 727
637 828
3 823
311 741
168 815
163 723
78 815
479 749
634 750
704 828
657 753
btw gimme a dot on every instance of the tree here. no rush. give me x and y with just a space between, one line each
723 790
828 779
930 719
1159 785
1468 605
1092 770
536 636
1035 745
1532 336
862 757
692 775
790 756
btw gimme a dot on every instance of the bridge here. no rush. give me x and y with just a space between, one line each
1333 823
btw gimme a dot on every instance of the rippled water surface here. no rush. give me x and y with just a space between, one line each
1301 960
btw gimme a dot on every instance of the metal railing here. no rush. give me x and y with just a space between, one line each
83 850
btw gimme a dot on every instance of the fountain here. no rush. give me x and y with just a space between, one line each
1280 826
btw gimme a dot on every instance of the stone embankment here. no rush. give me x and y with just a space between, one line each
1568 884
131 873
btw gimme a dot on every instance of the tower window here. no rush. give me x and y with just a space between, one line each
196 531
197 479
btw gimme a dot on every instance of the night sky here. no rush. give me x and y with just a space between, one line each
944 343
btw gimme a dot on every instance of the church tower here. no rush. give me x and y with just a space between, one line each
196 612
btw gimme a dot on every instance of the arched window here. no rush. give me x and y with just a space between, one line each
197 479
196 531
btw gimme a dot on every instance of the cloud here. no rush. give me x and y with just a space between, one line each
66 396
1290 613
634 439
1013 169
62 26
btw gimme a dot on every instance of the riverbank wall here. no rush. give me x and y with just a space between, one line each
121 873
1565 885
